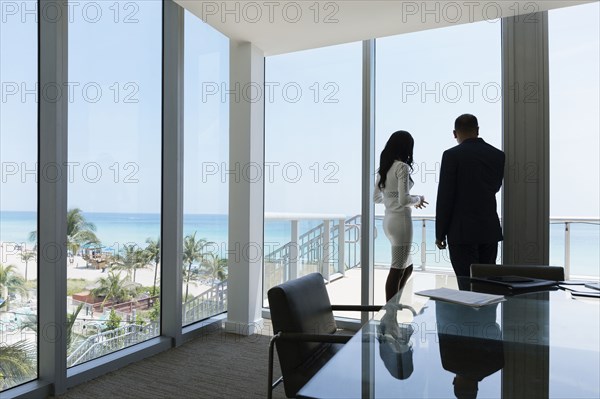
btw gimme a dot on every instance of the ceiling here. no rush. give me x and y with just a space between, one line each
278 27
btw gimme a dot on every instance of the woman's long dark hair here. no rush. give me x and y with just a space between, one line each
398 148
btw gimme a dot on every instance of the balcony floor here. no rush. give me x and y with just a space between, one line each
346 290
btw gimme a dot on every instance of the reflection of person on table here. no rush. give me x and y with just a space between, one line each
470 345
395 347
392 188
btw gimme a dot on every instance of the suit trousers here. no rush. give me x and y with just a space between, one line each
462 256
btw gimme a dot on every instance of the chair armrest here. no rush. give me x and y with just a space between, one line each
357 308
300 337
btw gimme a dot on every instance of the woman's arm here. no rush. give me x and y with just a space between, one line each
404 197
377 194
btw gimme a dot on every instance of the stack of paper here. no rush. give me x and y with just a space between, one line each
469 298
581 289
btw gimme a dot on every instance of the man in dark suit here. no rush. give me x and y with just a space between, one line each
466 218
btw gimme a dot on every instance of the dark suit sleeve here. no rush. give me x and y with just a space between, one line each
501 171
446 196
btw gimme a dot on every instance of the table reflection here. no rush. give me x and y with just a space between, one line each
470 343
395 348
542 344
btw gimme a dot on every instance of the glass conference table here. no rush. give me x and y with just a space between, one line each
534 345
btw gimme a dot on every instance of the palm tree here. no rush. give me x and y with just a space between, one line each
26 257
153 254
17 363
111 287
71 318
215 268
29 322
79 231
10 281
193 251
132 258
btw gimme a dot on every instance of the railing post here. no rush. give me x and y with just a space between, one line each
326 249
341 246
567 250
423 244
293 259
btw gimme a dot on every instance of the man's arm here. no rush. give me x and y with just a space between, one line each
445 198
501 172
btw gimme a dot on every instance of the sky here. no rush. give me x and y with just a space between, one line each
313 113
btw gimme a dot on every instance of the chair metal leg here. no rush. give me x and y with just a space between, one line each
280 379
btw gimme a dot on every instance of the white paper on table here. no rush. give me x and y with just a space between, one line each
469 298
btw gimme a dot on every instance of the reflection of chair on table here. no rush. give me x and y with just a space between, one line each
306 335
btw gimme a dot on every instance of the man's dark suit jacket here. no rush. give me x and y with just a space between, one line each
471 175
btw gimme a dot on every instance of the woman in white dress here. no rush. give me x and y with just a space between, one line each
392 188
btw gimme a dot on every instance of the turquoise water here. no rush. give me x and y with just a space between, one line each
115 230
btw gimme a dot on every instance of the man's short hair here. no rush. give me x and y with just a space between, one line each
466 123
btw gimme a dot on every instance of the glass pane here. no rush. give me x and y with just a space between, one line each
574 47
18 193
313 169
113 287
425 80
206 191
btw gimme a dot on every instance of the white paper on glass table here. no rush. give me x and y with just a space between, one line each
468 298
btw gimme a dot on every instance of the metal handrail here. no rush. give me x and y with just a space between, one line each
109 341
354 221
206 304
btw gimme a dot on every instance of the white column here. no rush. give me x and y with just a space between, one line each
567 251
367 219
342 246
246 202
292 272
326 255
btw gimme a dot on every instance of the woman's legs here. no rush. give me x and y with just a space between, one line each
392 283
396 281
407 272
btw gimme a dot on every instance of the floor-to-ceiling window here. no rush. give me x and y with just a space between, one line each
574 47
424 81
113 225
18 192
574 85
312 168
206 154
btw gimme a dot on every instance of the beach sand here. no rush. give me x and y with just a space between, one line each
9 255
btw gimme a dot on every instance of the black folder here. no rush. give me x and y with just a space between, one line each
516 282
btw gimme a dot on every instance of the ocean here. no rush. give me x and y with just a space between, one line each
117 229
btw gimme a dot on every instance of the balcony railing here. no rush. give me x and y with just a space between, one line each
207 304
333 246
568 222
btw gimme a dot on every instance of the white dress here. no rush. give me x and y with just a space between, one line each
397 223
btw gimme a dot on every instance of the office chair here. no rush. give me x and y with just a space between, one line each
553 273
306 334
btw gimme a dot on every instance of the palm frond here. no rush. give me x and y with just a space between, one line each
17 363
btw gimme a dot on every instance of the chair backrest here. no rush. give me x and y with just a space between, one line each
554 273
300 306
